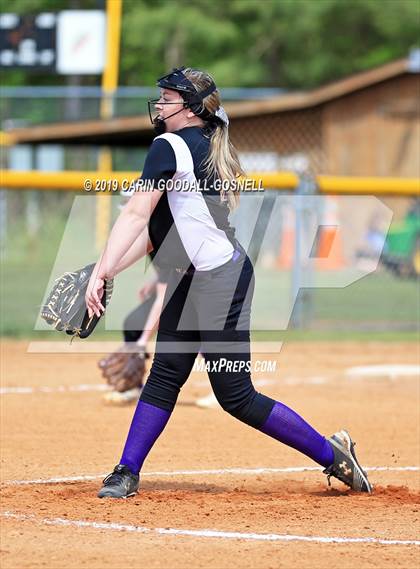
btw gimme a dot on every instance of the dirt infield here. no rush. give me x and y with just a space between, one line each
215 493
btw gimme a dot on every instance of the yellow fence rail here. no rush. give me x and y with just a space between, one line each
96 182
356 185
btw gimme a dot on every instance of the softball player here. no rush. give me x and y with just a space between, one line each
208 298
124 370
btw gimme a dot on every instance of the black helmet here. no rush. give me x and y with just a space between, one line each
177 81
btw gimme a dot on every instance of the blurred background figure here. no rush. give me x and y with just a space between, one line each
125 369
402 247
373 242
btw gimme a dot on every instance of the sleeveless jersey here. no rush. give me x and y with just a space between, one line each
190 224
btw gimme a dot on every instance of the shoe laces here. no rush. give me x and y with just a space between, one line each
116 477
331 471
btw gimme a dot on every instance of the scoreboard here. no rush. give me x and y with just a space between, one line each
28 41
67 42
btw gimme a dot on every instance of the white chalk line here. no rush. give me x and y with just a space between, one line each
317 380
391 371
212 472
350 373
22 390
55 389
205 533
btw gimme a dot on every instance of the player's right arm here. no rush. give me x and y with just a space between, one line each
133 220
160 165
140 248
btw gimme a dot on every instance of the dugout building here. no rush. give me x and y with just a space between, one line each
364 125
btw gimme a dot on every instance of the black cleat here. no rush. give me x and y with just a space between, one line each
121 483
345 466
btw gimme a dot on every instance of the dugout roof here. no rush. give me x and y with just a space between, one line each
137 130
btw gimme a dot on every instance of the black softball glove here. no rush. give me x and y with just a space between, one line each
65 308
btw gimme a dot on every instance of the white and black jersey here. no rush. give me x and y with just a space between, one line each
189 227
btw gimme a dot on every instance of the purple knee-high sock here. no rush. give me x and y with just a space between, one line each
147 424
289 428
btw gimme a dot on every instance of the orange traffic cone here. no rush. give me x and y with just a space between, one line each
329 247
287 240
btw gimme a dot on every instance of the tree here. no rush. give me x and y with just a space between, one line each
294 44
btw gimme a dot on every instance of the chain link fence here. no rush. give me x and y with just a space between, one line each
301 246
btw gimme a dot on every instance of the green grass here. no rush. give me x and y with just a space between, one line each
21 293
378 307
379 297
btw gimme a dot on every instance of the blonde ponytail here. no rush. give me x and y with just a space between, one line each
222 161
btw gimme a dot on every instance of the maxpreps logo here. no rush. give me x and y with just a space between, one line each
234 366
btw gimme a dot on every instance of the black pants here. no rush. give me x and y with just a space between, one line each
134 323
208 311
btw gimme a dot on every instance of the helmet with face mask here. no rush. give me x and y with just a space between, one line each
177 81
